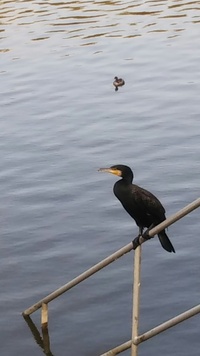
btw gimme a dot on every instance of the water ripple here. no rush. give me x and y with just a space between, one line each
81 18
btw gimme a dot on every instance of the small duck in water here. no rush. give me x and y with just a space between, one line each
118 82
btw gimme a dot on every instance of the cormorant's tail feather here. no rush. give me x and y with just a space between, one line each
165 241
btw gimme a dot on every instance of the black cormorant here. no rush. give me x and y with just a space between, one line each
118 82
142 206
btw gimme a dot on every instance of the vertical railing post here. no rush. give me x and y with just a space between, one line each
44 315
136 299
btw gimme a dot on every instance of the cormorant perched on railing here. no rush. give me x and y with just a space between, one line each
142 206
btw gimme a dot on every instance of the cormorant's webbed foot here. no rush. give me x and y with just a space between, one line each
145 235
136 242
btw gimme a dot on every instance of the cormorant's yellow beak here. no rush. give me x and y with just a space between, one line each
115 171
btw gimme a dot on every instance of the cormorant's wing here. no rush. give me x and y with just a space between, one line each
148 202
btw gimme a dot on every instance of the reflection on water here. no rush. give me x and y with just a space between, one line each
84 20
43 339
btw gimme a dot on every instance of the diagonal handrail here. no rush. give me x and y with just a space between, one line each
169 221
155 331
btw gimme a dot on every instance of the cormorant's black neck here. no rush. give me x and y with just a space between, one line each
128 178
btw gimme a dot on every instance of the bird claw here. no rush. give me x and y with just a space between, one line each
136 242
145 235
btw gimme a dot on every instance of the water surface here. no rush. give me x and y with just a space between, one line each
60 121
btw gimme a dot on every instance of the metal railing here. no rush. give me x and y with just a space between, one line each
136 245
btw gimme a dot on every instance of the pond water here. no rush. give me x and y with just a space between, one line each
60 121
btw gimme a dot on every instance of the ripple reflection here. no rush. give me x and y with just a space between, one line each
88 19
